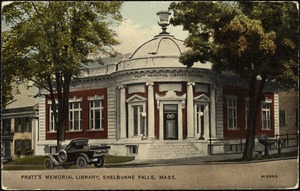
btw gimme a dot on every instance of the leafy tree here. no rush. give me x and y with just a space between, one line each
253 39
49 41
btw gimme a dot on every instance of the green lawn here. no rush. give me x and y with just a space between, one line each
37 162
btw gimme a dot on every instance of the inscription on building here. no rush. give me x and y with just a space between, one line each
167 75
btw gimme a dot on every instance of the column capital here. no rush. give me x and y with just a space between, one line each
121 87
191 83
149 83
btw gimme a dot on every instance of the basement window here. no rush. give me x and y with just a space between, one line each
132 150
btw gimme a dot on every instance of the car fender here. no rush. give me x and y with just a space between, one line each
85 156
55 162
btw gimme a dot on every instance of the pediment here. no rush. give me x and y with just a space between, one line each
136 98
202 98
170 95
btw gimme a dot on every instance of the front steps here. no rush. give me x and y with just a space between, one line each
172 150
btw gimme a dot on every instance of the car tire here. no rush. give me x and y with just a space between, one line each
99 163
62 155
49 164
81 162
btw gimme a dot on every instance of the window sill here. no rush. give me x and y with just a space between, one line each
93 130
74 131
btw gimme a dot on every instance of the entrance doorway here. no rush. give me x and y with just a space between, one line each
170 121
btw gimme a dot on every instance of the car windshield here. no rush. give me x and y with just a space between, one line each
77 143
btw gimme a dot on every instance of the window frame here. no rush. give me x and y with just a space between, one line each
234 116
136 100
18 125
93 108
52 127
72 111
282 122
139 124
268 112
6 126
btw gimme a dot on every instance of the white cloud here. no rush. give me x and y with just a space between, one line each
132 35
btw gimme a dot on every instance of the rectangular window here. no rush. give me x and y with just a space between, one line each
27 124
75 116
18 147
52 126
96 116
53 149
27 143
6 126
266 115
132 149
200 120
138 120
232 112
22 146
282 119
18 125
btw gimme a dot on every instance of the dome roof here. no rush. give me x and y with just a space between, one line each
161 45
163 51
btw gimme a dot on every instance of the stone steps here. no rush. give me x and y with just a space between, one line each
170 149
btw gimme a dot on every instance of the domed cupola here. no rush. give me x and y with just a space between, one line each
163 44
163 51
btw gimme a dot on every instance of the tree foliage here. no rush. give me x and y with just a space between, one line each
49 41
250 38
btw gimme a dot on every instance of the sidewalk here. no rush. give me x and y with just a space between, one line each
209 159
185 161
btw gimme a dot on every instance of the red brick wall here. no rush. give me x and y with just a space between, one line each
241 131
85 132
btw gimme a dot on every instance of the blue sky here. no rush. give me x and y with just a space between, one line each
140 24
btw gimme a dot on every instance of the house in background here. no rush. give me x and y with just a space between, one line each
289 117
20 124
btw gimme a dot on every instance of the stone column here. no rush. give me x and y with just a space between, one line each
190 111
151 109
122 112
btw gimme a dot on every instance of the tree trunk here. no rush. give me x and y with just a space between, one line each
255 98
247 154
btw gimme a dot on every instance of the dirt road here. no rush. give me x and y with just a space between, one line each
265 175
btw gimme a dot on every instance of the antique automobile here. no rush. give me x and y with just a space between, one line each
78 152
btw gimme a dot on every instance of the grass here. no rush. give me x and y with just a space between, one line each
38 162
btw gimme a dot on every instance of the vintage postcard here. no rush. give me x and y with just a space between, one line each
156 95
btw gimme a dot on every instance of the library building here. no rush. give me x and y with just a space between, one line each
149 105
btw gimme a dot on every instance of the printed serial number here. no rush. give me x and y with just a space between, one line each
269 176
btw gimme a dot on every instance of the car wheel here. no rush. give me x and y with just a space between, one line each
49 164
66 166
81 162
62 155
99 163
